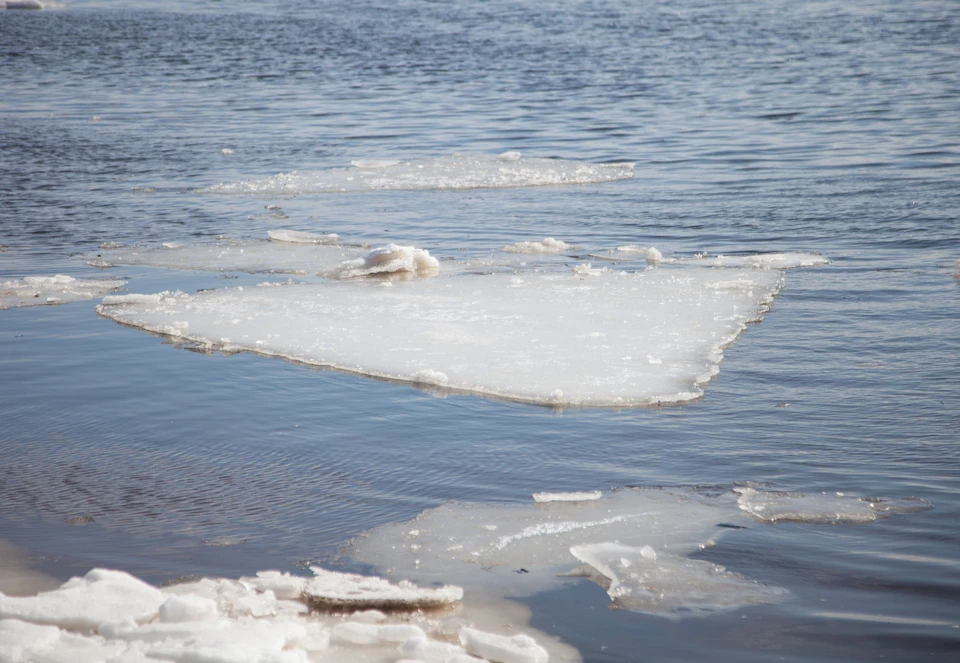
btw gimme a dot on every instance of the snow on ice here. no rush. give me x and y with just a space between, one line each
52 290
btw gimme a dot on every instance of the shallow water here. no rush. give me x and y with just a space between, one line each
821 126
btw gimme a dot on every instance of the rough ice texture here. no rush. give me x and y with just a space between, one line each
111 616
557 339
643 580
331 589
389 259
300 237
453 172
823 507
549 246
651 254
51 290
502 649
271 257
567 497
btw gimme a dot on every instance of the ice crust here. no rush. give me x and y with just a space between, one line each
51 290
549 246
330 589
778 261
452 172
112 616
775 507
300 237
550 338
542 498
279 256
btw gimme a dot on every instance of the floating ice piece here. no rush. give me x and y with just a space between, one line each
331 589
300 237
283 585
555 339
226 151
283 256
453 172
483 547
501 649
549 246
823 507
83 604
373 164
650 253
540 498
643 580
47 290
389 259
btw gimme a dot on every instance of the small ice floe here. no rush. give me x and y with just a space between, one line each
541 498
765 260
287 252
332 589
52 290
502 649
587 269
549 246
775 507
389 259
226 151
644 580
650 253
300 237
452 172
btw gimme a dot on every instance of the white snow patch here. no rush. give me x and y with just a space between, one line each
453 172
58 289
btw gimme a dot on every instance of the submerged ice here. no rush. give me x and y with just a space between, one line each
823 507
510 169
552 338
52 290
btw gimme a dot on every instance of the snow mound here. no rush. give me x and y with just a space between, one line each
52 290
549 246
280 256
775 507
331 589
452 172
389 259
555 339
643 580
300 237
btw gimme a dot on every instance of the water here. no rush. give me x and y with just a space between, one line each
761 126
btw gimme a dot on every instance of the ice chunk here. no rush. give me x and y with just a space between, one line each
47 290
389 259
283 585
567 497
453 172
188 609
358 633
331 589
532 340
300 237
282 256
823 507
501 649
549 246
650 253
643 580
84 603
431 651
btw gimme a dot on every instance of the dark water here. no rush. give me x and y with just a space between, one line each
755 126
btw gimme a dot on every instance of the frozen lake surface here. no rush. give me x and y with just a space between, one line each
686 270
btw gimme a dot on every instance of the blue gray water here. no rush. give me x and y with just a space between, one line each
755 126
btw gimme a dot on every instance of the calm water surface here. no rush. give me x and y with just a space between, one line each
755 126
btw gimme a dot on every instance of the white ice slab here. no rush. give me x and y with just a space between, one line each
613 339
301 237
780 261
453 172
270 257
549 246
52 290
823 507
583 496
331 589
644 580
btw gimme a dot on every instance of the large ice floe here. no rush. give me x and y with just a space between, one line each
113 616
509 169
573 337
52 290
636 543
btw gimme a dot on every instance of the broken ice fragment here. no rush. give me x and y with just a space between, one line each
52 290
389 259
502 649
549 246
823 507
300 237
567 497
331 589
